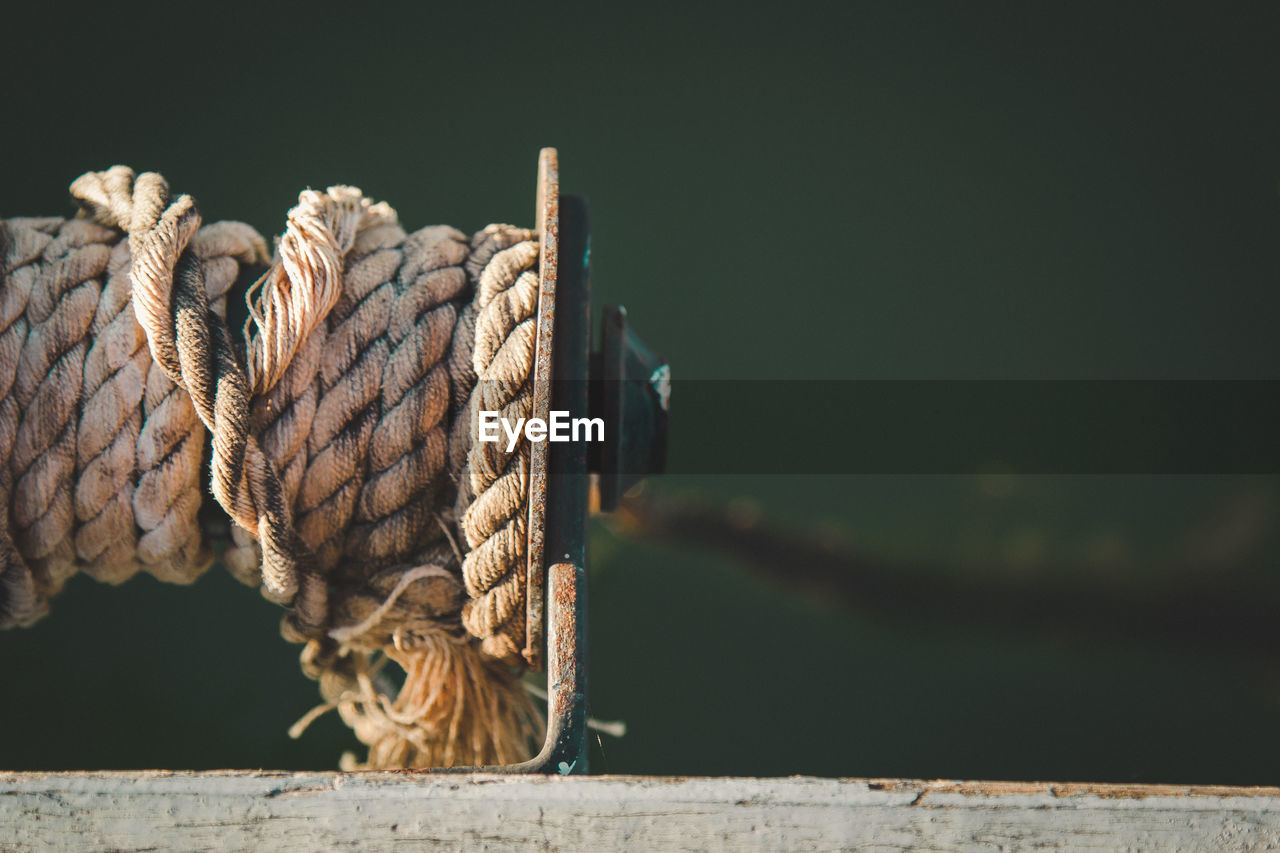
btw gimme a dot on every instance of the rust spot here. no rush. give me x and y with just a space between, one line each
564 604
548 223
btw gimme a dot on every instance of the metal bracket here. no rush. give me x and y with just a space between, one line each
623 384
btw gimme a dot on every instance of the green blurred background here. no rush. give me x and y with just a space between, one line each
881 191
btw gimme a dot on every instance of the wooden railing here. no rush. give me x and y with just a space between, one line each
236 810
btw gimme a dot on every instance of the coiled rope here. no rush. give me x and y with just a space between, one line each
340 439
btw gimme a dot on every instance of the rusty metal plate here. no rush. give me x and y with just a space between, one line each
548 225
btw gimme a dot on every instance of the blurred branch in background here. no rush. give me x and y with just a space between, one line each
1204 608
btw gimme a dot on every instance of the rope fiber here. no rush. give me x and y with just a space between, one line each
337 430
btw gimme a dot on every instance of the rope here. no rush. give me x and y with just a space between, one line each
504 264
340 439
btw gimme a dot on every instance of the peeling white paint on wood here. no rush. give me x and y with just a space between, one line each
383 811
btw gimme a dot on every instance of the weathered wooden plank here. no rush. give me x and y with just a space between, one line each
384 811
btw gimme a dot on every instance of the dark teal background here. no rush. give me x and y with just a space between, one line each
861 191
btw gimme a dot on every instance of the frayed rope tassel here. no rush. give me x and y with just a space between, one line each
455 707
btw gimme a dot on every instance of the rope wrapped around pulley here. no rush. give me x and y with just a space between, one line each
340 431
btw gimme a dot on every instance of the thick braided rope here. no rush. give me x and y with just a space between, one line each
321 231
156 523
350 380
22 242
191 344
408 448
504 261
47 389
354 416
136 483
380 434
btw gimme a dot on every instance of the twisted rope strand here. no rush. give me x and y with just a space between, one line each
302 287
504 259
46 389
350 379
408 447
22 242
320 234
191 344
